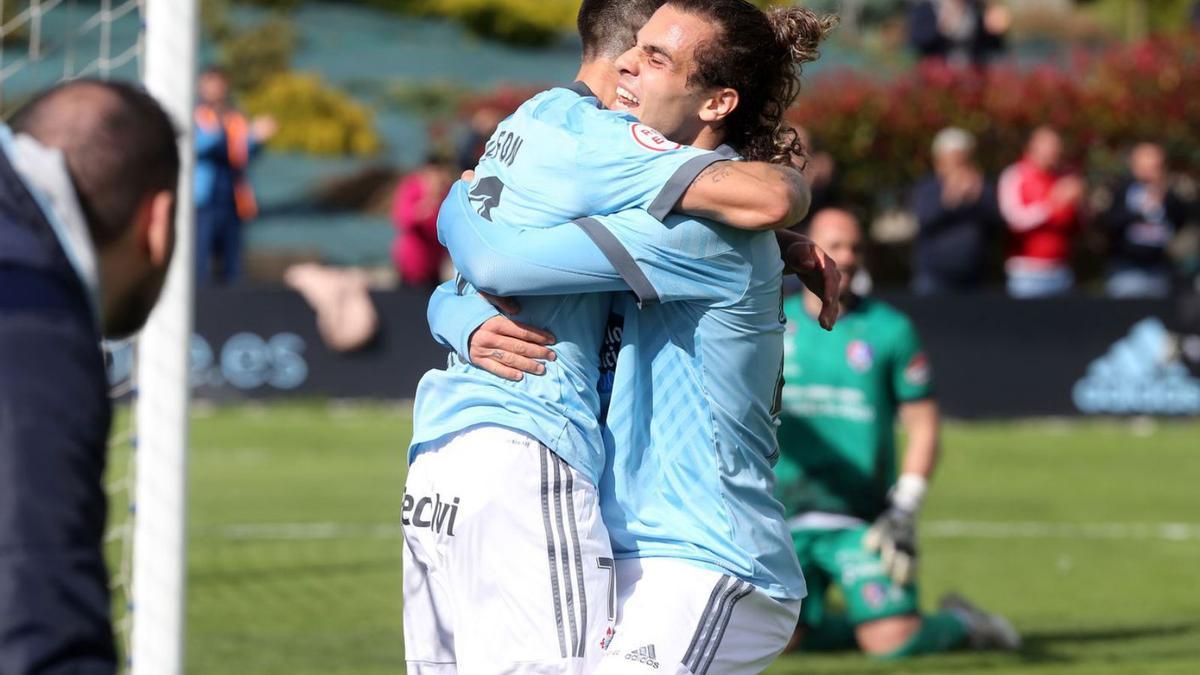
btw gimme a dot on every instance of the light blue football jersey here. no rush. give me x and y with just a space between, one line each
558 157
693 411
690 430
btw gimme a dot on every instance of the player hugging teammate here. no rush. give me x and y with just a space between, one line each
640 534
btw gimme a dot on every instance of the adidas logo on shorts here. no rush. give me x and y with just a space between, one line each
643 655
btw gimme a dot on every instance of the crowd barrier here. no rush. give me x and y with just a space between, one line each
993 357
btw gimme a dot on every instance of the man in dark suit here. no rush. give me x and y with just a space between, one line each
1143 218
87 186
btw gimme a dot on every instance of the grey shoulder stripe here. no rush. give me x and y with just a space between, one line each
555 597
679 183
621 260
726 152
742 591
705 617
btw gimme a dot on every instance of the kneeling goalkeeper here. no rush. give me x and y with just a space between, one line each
852 522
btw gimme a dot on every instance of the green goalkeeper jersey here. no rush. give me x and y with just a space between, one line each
840 396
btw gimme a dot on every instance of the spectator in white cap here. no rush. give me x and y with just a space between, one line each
956 211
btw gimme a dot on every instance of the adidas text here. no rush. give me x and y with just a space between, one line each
643 655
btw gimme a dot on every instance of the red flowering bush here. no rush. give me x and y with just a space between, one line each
880 132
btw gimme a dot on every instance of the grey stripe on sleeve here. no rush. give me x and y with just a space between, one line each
550 553
680 182
621 260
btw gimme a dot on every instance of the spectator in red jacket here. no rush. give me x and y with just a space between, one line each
416 252
1040 202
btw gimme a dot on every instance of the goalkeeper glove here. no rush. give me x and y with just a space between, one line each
894 533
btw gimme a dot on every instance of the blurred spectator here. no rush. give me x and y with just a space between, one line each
225 142
1040 201
346 316
416 251
958 32
956 209
1144 217
820 169
1196 15
480 128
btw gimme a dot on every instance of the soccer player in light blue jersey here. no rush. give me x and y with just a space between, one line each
707 579
508 566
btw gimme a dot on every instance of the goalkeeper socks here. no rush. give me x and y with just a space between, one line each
941 632
834 633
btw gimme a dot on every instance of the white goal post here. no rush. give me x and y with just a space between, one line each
160 498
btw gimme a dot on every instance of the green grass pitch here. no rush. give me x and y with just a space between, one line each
1087 535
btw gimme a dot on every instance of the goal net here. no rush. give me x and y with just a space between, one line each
152 41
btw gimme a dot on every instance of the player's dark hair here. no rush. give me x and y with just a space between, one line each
759 55
609 27
118 142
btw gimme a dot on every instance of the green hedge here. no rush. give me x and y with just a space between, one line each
314 117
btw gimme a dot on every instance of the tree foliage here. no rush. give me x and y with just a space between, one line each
314 117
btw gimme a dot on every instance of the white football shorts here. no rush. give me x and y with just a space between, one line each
675 617
507 564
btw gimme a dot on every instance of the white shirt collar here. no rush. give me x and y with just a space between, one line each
44 171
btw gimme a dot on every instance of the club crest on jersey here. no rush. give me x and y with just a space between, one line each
607 639
652 140
859 356
916 372
874 594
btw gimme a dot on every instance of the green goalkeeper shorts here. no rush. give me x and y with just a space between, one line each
830 557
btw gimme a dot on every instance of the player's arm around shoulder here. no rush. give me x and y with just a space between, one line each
748 195
664 176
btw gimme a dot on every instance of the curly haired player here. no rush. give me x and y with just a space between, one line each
706 578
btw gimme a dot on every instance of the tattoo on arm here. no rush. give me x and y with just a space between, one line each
716 172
